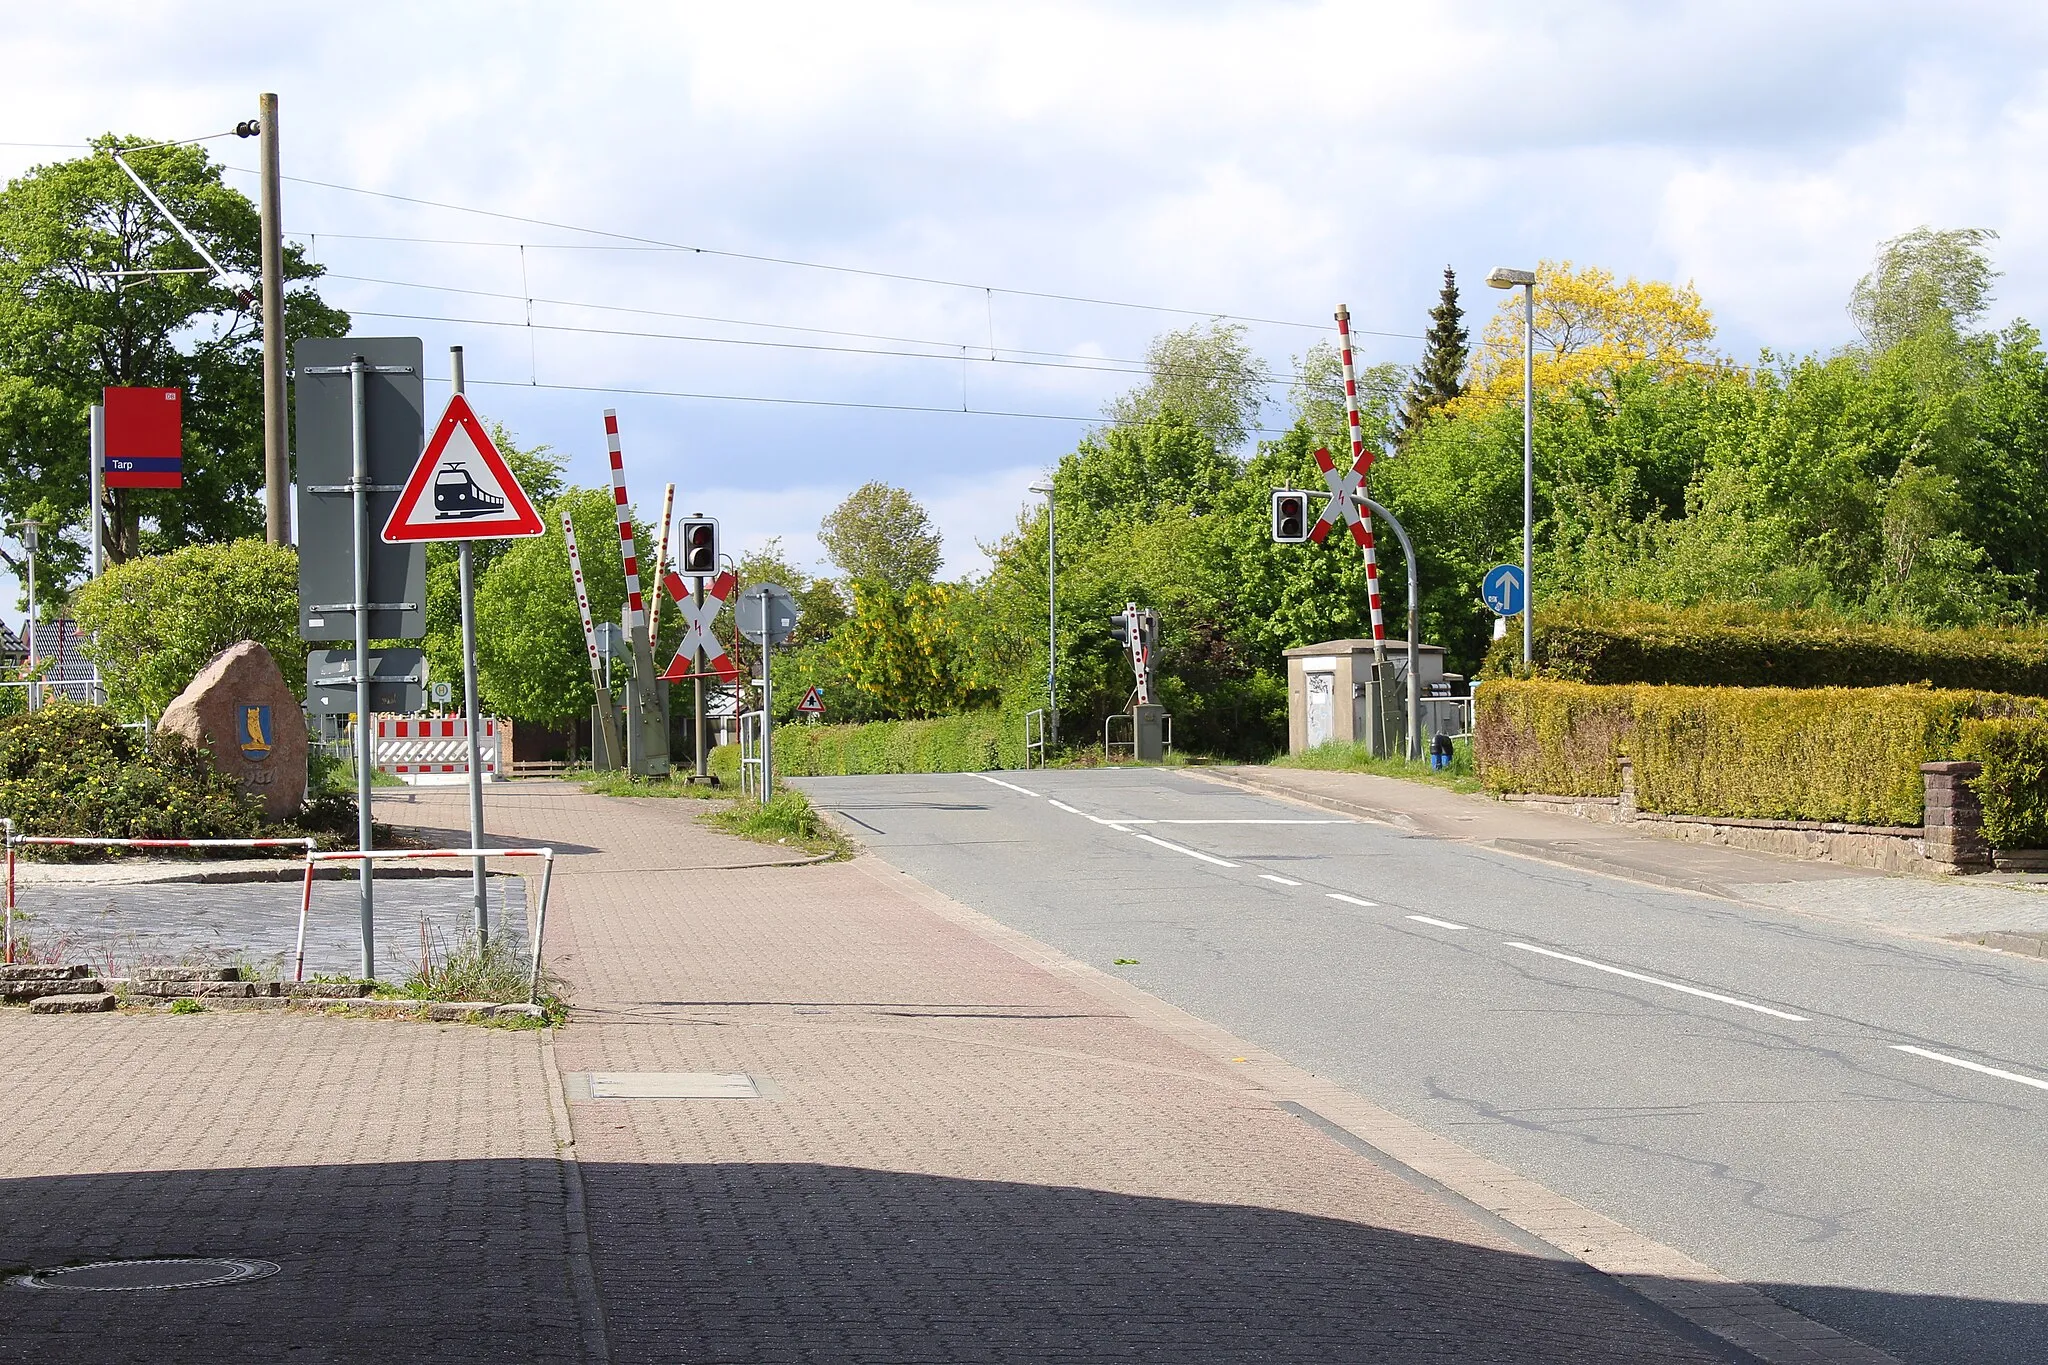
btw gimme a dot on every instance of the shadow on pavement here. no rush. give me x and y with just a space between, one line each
469 1261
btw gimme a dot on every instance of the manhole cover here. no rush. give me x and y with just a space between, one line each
175 1272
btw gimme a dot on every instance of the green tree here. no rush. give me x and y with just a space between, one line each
1206 375
532 662
155 621
901 652
1921 278
1318 394
1440 374
884 535
70 324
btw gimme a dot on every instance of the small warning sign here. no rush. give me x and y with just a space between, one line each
461 489
813 703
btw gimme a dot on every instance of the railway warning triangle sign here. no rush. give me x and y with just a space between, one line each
461 489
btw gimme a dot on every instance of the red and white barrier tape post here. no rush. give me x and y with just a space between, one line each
627 550
15 840
540 922
1361 460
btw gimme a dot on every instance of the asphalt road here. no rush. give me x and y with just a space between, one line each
1853 1121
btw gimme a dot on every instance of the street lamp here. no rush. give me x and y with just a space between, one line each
1052 622
1504 277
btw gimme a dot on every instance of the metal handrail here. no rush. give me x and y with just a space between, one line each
1039 743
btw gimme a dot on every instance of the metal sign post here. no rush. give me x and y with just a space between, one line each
461 489
479 890
359 611
371 430
767 615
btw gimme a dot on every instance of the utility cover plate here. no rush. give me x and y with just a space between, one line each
175 1272
672 1085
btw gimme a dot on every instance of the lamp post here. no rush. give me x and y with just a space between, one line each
1504 277
1052 621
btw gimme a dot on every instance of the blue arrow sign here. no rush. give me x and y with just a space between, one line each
1503 589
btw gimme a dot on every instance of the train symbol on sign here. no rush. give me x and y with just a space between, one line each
457 494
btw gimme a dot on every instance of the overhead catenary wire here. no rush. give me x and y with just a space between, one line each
1097 419
798 263
1045 359
960 353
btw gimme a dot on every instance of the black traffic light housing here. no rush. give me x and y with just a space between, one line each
1290 517
699 556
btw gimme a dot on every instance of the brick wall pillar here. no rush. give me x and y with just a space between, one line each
1954 820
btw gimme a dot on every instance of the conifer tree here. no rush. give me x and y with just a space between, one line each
1440 374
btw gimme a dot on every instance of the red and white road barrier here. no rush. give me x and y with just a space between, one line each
547 877
16 840
582 595
668 514
634 603
417 750
1361 460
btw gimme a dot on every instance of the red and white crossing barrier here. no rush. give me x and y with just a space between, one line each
422 751
1361 462
668 515
634 603
540 922
16 840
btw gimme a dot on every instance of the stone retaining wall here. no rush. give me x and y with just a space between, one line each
1951 840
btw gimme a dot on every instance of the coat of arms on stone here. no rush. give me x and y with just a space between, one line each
242 714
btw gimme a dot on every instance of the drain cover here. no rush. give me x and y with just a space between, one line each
171 1272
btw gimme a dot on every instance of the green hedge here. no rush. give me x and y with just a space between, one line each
949 744
1565 739
1848 754
75 770
1738 647
2014 786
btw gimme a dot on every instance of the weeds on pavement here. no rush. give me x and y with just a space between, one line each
1357 758
468 970
786 818
621 784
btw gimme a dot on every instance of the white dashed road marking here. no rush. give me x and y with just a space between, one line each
1978 1067
1660 981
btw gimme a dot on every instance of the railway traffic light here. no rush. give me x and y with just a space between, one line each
1120 626
699 556
1290 517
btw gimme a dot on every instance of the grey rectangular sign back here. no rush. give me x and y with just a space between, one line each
394 681
396 418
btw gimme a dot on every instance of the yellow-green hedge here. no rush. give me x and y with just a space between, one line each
2013 787
1769 753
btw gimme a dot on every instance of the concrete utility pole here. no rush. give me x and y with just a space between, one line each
277 470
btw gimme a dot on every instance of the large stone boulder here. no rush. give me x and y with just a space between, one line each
241 713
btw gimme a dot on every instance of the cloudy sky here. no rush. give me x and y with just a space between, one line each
804 237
